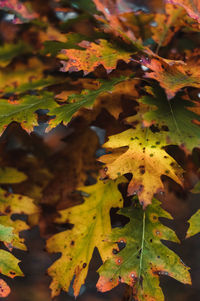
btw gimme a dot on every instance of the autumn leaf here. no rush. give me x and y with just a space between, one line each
4 289
86 99
144 155
194 223
173 75
24 110
168 24
91 225
144 257
22 11
93 55
10 51
10 228
10 175
191 6
177 114
25 77
54 47
196 188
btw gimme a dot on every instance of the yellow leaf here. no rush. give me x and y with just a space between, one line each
91 226
145 159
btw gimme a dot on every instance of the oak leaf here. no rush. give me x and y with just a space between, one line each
177 114
145 159
144 257
173 75
191 6
93 55
10 229
91 225
86 99
24 110
194 223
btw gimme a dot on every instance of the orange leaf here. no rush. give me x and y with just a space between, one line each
95 54
191 6
4 289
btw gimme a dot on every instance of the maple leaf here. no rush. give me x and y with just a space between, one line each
144 257
91 224
173 75
194 223
144 155
24 110
22 11
95 54
86 99
191 6
175 114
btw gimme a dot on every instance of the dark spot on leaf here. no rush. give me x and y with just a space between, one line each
72 243
84 265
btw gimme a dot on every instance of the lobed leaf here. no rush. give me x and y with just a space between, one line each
145 159
86 99
91 225
24 110
93 55
175 114
191 6
144 257
194 223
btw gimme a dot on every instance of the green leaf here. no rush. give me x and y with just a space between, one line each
174 114
11 175
93 55
54 47
24 111
64 113
196 188
6 233
194 222
144 257
10 51
91 224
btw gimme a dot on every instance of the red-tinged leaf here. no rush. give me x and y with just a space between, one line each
113 21
173 75
95 54
191 6
4 289
144 257
18 8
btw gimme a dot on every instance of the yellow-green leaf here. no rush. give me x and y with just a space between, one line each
194 223
91 225
144 257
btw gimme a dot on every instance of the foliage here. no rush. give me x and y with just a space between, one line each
123 85
144 257
10 229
